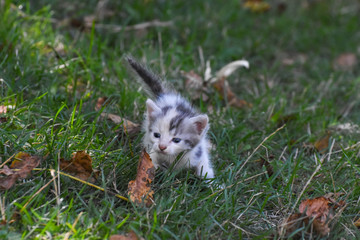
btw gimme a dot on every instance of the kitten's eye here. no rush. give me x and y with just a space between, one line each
176 140
157 135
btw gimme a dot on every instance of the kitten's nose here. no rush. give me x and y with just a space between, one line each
162 147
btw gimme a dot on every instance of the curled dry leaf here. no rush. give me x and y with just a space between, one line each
80 166
357 223
317 208
139 190
129 127
198 87
128 236
222 86
20 168
228 69
195 85
317 212
15 217
322 144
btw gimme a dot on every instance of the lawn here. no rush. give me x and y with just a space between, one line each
295 139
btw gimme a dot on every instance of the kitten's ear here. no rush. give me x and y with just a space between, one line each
200 122
151 108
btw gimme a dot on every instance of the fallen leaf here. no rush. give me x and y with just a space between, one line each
20 168
317 212
322 144
14 218
139 190
345 62
229 68
297 221
128 236
256 6
198 86
24 163
357 223
100 103
8 181
222 86
80 166
128 126
195 85
292 224
317 208
6 171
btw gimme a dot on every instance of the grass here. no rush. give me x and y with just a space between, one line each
52 74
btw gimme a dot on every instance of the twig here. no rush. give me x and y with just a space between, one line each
7 160
140 26
312 175
38 191
265 139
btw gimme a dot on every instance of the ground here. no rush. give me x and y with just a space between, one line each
57 58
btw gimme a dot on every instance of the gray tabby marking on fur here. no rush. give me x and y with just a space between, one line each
172 126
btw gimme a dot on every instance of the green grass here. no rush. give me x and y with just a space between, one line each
53 115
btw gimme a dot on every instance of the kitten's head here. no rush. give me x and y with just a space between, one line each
174 128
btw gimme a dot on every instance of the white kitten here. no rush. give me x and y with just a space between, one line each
173 127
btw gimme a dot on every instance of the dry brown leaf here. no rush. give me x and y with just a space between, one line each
128 236
293 223
100 103
129 127
229 68
256 6
298 220
317 208
222 86
20 168
8 181
322 144
6 171
139 190
80 166
195 85
14 218
318 212
345 62
357 223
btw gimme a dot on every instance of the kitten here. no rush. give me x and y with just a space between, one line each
173 127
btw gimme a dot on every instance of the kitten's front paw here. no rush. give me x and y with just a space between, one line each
217 186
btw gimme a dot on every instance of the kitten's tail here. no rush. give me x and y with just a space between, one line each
152 81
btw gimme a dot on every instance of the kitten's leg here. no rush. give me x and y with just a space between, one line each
154 159
204 168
